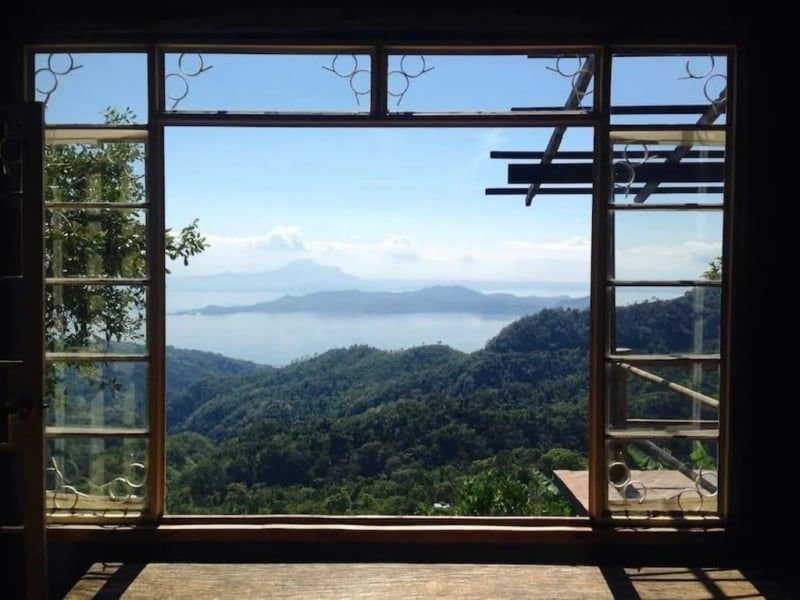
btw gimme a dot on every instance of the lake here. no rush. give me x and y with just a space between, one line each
279 338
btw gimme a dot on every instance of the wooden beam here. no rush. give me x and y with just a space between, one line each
707 172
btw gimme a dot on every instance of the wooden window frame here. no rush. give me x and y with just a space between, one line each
155 525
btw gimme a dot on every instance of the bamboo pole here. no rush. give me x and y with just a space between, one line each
708 400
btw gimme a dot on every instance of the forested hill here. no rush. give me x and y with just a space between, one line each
204 370
363 430
349 380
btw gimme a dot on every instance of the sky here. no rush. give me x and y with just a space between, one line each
382 202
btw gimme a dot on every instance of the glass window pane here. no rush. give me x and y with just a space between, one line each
675 399
92 242
95 318
666 89
97 395
667 320
80 88
98 476
652 477
665 246
489 83
95 172
224 82
657 171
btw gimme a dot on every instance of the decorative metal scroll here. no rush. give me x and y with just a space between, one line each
398 80
628 166
181 78
580 72
123 490
46 78
358 78
689 499
707 76
404 77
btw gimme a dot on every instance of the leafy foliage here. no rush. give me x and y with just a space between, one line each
428 430
94 229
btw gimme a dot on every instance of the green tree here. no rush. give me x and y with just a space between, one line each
105 242
714 271
94 228
561 458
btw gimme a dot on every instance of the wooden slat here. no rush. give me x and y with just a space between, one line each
96 205
674 422
696 172
677 206
664 283
104 281
587 154
711 135
88 134
667 360
121 432
443 119
619 205
93 357
553 191
669 433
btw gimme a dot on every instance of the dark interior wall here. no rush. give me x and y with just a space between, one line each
11 509
763 309
533 23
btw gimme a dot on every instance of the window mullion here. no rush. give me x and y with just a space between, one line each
601 244
379 83
156 472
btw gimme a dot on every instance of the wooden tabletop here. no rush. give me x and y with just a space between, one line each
653 490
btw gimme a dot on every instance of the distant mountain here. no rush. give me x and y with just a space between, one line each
307 276
300 276
435 299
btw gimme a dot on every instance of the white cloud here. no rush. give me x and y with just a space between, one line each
400 248
401 256
570 246
282 237
686 260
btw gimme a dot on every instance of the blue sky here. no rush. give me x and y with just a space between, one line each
390 202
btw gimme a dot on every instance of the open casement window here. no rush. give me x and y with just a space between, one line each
663 377
652 162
